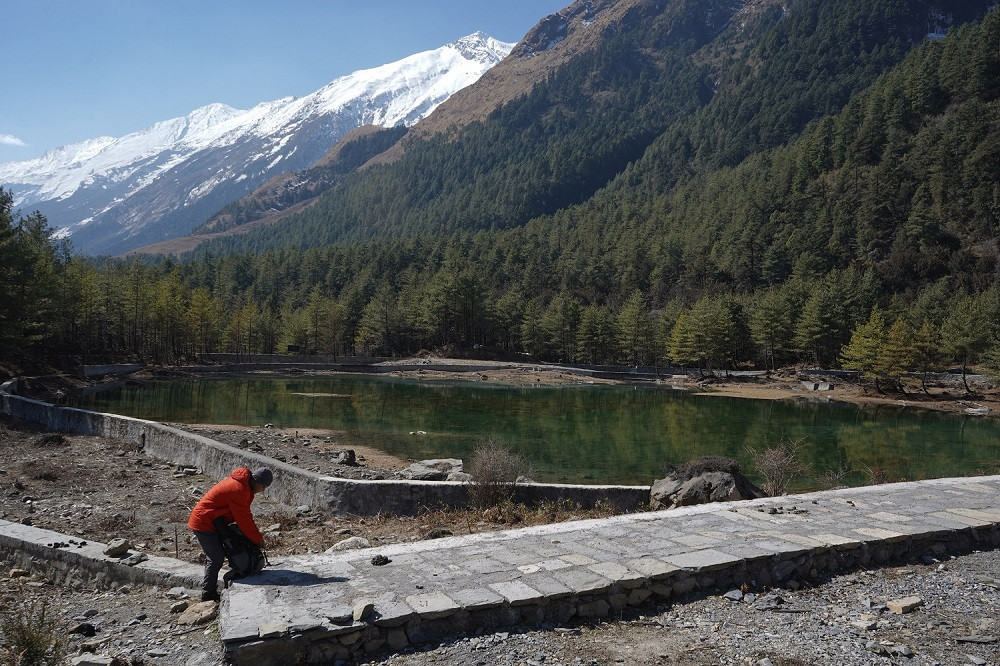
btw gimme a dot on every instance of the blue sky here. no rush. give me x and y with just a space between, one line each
79 69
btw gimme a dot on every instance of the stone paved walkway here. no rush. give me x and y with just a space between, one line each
330 607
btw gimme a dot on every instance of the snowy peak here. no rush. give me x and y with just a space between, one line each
178 172
480 47
209 116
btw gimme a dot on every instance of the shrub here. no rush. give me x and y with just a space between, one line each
834 477
494 470
703 465
778 465
879 475
31 637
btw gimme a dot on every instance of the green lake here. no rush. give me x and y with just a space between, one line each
578 434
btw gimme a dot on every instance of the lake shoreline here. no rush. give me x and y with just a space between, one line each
943 396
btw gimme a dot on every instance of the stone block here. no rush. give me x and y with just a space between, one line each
904 605
551 588
684 585
433 605
477 598
781 571
662 592
583 581
598 608
653 568
560 612
363 608
638 596
117 547
707 559
394 613
375 645
618 573
396 639
517 593
198 614
350 638
532 614
428 632
272 629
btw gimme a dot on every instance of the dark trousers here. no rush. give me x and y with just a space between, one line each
215 557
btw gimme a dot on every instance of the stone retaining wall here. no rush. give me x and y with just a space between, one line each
65 560
382 635
294 486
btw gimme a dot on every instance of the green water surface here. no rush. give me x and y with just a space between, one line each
578 434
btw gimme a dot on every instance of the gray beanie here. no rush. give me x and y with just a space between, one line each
263 476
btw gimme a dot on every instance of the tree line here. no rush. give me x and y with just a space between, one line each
81 310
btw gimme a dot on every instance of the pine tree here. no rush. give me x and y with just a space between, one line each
532 336
965 333
203 321
714 331
683 346
862 352
897 352
378 329
771 327
926 352
595 339
635 331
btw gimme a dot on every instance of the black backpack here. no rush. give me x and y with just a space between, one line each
245 557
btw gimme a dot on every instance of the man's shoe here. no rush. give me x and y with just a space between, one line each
210 596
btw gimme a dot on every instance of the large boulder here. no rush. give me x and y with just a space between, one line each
705 480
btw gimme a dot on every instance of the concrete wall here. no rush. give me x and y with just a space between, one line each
294 486
90 371
63 560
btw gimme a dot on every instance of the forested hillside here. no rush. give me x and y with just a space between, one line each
821 214
687 86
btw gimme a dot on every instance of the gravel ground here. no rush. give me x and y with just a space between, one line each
843 621
94 488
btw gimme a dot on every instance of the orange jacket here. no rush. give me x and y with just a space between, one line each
229 498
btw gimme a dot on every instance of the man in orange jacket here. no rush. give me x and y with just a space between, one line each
231 499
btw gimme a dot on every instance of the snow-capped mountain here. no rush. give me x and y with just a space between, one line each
110 195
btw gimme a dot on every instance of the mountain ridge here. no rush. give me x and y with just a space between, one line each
113 194
697 85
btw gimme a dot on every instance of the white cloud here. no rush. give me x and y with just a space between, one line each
9 140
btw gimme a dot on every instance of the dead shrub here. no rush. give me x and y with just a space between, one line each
51 439
31 637
778 465
879 475
703 465
505 513
834 477
494 469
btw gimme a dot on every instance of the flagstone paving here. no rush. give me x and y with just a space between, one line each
340 606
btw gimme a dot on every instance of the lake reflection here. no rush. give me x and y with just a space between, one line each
587 434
